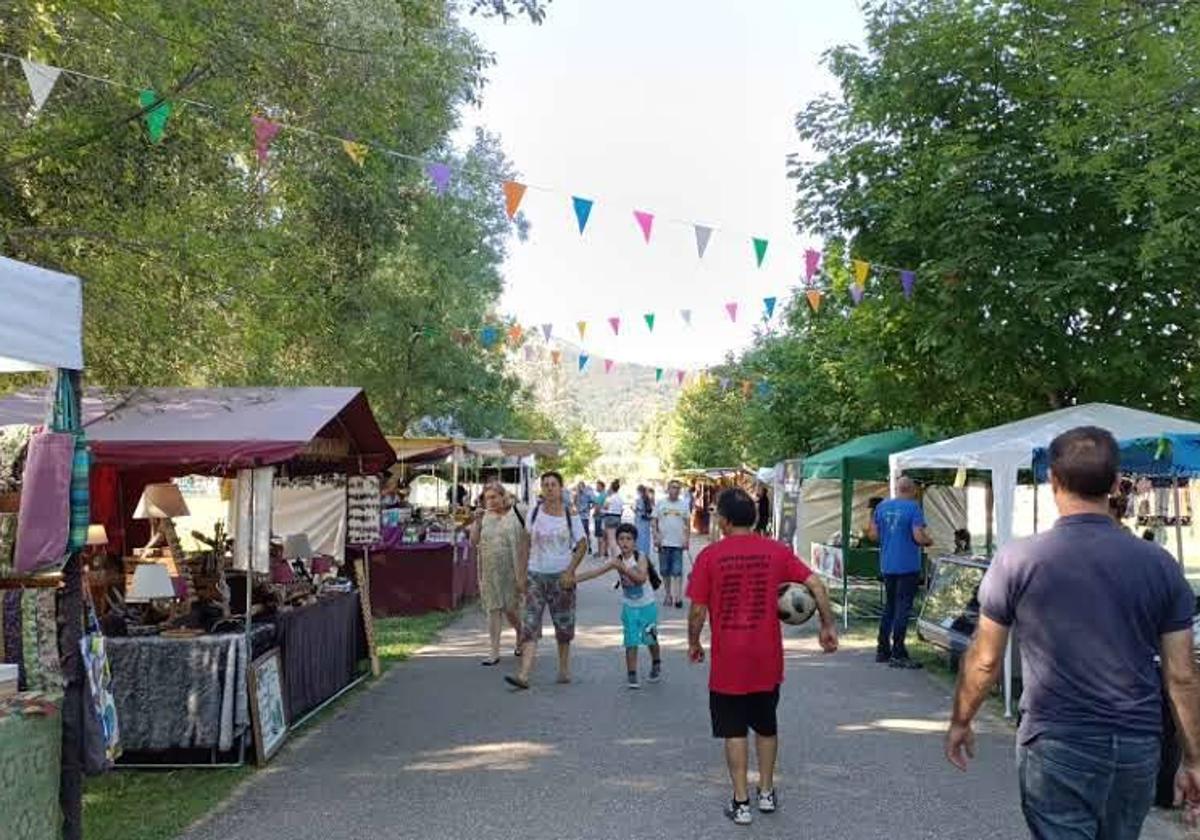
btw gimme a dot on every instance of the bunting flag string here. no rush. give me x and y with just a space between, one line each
649 318
264 133
157 111
658 374
583 360
582 327
356 151
41 79
515 333
686 314
769 307
439 174
680 375
583 209
812 261
615 323
907 280
547 329
760 251
814 299
703 233
645 222
488 336
556 356
608 365
513 193
731 308
862 270
856 292
724 382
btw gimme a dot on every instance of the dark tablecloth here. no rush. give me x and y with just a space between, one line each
418 577
320 645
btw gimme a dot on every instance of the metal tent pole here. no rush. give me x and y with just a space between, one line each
1178 521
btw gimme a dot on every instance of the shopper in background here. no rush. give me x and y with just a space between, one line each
898 525
1095 606
598 515
614 509
497 534
763 524
643 517
585 497
672 533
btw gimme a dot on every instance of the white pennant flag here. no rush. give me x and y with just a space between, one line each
702 235
41 78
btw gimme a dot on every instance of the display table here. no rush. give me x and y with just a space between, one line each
30 752
320 646
182 693
415 578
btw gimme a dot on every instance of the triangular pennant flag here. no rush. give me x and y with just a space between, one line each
649 316
679 375
583 209
908 279
814 299
528 352
615 323
439 173
746 386
513 193
41 78
582 327
703 233
608 365
862 270
556 356
769 307
686 314
264 133
515 333
488 336
856 293
156 115
760 251
731 308
764 389
645 222
724 381
583 360
658 373
356 151
812 260
546 330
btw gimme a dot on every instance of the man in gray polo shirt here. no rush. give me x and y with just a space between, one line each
1094 608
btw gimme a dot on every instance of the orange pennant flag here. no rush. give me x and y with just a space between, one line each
582 327
746 386
356 151
514 334
862 269
556 356
814 299
513 193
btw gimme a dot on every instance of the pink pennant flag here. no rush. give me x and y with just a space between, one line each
608 365
679 375
645 222
546 330
812 260
264 133
615 323
731 308
856 292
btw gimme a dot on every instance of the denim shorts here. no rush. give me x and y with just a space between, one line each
670 561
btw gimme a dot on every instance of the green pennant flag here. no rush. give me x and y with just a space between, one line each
649 316
156 116
658 372
760 251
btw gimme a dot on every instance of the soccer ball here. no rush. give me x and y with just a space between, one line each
796 603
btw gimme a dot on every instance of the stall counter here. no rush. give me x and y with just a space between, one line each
415 578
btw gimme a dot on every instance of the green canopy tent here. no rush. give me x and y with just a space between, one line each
861 459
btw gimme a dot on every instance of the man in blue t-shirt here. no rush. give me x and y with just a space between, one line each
898 525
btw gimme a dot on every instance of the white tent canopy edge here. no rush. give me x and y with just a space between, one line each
41 318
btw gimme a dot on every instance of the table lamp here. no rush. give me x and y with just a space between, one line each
96 535
159 503
151 582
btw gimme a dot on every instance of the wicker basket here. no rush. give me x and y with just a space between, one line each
10 502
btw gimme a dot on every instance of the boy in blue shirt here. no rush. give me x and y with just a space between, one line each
898 525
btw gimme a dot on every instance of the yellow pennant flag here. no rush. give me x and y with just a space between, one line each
582 327
862 270
356 151
814 299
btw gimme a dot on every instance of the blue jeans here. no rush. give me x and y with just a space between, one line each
900 590
1087 787
670 561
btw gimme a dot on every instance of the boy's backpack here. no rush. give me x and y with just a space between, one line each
651 572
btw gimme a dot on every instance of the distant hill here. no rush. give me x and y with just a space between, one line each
615 405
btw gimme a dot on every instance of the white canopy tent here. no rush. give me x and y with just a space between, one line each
41 319
1005 450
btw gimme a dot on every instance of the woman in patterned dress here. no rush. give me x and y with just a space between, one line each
496 535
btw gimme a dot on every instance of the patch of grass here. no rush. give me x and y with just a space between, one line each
153 805
398 638
159 804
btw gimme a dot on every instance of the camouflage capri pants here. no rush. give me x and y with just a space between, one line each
545 591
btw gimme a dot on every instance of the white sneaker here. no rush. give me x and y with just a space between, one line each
766 801
739 812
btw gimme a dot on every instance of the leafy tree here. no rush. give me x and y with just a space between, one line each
204 265
581 449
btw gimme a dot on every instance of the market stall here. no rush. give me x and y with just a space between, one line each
705 485
1005 451
42 691
221 603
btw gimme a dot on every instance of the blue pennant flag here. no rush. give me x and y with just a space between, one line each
769 304
583 209
583 360
488 336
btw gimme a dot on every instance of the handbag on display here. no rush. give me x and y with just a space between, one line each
43 524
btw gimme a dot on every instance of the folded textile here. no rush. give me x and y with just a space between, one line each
44 522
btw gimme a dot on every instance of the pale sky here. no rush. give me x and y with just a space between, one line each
682 108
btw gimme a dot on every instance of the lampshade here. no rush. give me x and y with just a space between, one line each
96 535
296 547
150 582
161 501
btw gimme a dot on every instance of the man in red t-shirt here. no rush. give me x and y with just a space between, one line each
737 580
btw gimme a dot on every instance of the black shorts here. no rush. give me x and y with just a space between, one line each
734 714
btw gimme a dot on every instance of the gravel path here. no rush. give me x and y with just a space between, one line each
441 749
